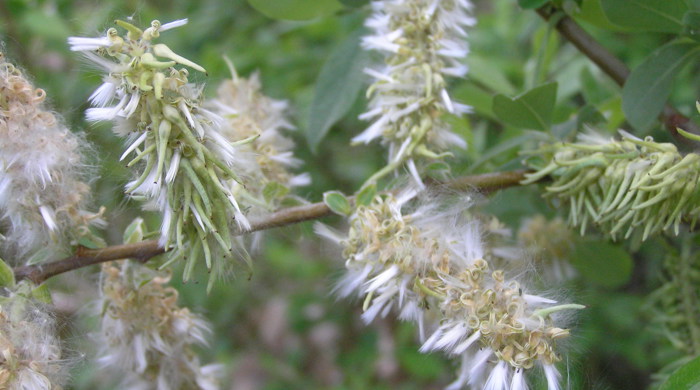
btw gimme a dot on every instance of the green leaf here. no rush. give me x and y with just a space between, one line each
474 96
646 90
42 294
337 202
366 196
505 147
646 15
691 21
483 71
295 9
530 4
135 231
602 263
591 11
354 3
588 115
92 242
7 276
337 87
41 256
274 190
593 90
531 110
687 377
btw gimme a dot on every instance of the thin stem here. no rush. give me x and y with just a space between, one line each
145 250
487 182
544 312
405 154
616 69
381 173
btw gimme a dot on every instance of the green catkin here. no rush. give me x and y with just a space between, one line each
622 187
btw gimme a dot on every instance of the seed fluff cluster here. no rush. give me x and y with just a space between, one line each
428 264
146 336
42 194
549 243
188 165
423 41
256 122
621 186
30 351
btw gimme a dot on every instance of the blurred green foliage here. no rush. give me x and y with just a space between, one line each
279 327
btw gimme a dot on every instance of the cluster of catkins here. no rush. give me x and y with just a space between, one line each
42 192
188 163
421 255
205 164
146 336
43 197
427 262
249 114
423 41
621 186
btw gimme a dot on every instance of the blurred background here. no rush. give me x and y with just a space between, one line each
279 327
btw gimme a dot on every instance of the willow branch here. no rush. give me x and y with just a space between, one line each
38 273
488 182
616 69
145 250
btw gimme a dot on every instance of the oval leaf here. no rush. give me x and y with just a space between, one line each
366 196
602 263
92 242
591 11
691 21
135 231
646 15
7 276
687 377
337 202
41 256
295 9
531 110
274 190
42 294
646 90
337 87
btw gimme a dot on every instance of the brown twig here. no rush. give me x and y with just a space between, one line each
616 69
488 182
145 250
38 273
